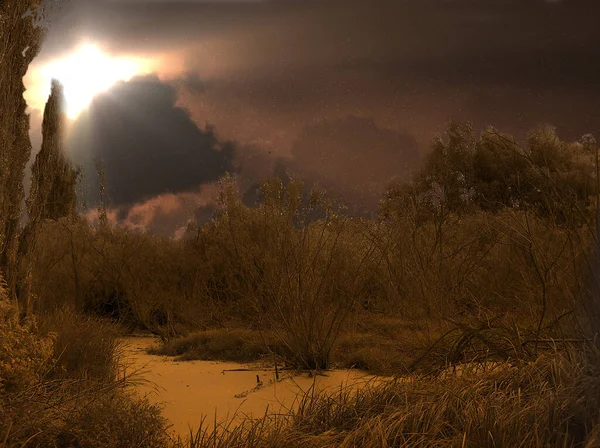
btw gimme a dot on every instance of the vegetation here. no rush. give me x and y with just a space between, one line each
216 344
20 42
476 288
552 402
477 282
64 387
61 382
503 294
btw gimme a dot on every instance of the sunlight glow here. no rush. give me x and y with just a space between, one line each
88 72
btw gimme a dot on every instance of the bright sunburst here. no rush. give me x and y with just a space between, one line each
87 72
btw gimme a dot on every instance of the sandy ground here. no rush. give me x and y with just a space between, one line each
189 390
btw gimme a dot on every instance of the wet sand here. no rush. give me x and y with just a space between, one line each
189 390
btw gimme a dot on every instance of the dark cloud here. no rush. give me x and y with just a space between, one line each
147 145
418 63
150 26
403 37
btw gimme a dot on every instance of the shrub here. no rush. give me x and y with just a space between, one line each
300 279
116 420
85 346
23 355
74 400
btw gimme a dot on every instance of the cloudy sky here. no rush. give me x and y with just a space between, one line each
344 93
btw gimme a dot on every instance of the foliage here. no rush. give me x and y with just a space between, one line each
52 194
22 354
20 41
553 178
84 346
61 388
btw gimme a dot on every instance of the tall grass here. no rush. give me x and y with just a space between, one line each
552 402
84 346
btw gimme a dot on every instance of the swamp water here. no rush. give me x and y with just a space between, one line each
219 390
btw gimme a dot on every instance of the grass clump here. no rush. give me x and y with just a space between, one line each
119 420
216 344
84 346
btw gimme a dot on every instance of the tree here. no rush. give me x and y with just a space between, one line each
20 40
446 181
499 166
53 182
553 178
52 195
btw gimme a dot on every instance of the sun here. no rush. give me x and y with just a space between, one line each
87 72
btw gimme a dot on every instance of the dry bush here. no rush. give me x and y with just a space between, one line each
84 346
61 265
80 413
493 283
299 280
116 420
23 355
133 278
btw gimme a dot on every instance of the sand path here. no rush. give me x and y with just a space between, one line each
192 389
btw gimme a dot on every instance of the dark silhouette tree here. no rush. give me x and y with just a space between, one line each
53 182
52 195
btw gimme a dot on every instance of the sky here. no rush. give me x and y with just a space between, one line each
345 94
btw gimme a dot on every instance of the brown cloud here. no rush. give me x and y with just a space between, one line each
165 214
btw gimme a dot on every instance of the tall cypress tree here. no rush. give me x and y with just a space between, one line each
20 40
52 195
53 180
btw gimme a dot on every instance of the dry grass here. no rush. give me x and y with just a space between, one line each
84 346
59 386
552 402
216 344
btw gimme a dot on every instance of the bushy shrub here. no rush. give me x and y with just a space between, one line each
23 355
84 346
